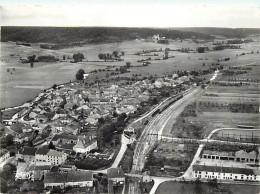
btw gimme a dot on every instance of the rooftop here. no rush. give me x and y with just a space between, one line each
42 151
245 171
40 168
54 153
28 151
219 153
55 177
79 176
71 176
115 173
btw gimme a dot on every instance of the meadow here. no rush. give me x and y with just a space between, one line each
22 83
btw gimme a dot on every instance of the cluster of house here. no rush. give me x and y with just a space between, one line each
228 171
77 178
225 173
32 161
81 178
70 107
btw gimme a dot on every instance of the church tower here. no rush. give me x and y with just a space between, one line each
98 92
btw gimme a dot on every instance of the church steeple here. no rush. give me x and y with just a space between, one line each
98 92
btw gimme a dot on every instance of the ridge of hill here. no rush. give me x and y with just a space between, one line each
226 32
68 35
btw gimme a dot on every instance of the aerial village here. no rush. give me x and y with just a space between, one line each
59 127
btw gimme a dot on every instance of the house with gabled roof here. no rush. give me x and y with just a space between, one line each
45 156
84 146
71 178
55 179
116 175
225 173
80 179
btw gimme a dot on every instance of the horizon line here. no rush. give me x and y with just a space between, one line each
131 27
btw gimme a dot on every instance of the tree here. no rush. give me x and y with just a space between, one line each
128 65
51 146
121 117
122 69
78 57
9 139
36 132
154 101
31 58
201 50
7 171
101 120
101 56
105 134
54 86
3 187
115 54
80 74
114 114
122 53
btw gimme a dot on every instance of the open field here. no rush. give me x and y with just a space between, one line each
228 119
188 188
23 83
233 90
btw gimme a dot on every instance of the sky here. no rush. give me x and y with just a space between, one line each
131 13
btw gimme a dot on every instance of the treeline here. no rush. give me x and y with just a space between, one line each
239 41
67 36
232 107
227 32
113 55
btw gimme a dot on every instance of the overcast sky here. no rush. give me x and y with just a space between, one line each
132 13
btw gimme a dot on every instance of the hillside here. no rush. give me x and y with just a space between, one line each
71 35
227 32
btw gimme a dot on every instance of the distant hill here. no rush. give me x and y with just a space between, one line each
227 32
72 35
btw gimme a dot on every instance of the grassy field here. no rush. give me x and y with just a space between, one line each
23 83
232 90
192 188
227 119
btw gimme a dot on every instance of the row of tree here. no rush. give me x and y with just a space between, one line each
108 56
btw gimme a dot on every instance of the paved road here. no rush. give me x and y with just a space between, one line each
124 142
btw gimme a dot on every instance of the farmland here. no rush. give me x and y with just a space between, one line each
22 83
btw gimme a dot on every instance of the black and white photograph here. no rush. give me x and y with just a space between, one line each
130 96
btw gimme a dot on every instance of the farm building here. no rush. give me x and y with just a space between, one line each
225 173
